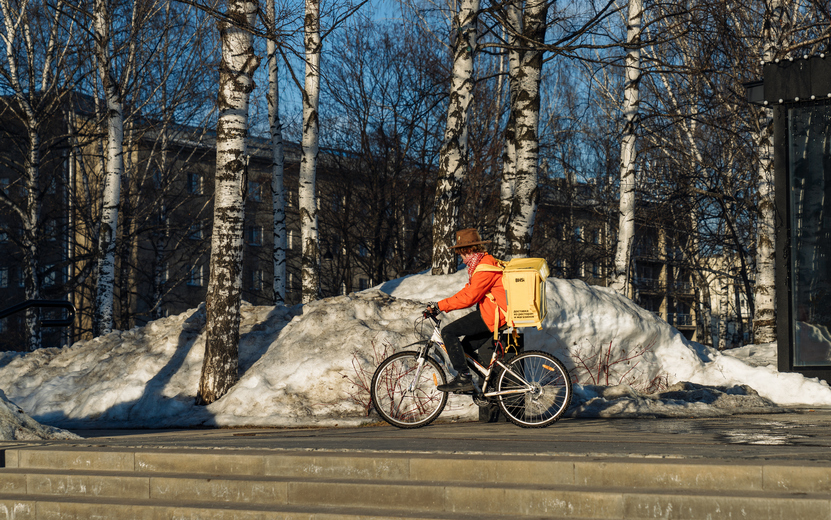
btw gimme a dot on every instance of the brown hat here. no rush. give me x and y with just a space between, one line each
468 237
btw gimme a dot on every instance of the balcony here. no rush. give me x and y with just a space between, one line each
649 285
681 320
683 287
647 252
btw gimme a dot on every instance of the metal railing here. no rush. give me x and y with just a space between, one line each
649 284
48 304
683 287
681 320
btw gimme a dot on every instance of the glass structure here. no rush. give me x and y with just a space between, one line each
809 170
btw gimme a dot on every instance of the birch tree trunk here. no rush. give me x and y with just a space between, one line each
513 15
103 323
527 110
221 363
764 319
310 255
277 155
453 153
724 314
28 74
628 154
31 249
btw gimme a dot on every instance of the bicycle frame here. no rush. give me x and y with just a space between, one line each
486 373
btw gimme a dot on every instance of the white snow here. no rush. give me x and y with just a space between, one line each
16 425
306 365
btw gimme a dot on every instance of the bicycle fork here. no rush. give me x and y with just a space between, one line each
423 352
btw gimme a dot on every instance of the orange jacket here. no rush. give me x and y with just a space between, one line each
476 290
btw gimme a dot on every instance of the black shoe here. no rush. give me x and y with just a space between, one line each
462 383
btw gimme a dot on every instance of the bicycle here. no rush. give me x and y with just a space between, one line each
533 388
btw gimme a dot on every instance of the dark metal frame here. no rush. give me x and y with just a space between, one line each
49 304
787 84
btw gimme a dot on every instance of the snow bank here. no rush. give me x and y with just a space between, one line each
310 365
16 425
604 338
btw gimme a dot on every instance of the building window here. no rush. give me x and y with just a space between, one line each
257 280
50 229
255 191
163 274
578 234
50 276
596 237
595 267
196 231
363 284
21 277
560 267
4 277
195 186
195 279
4 236
157 178
4 185
255 235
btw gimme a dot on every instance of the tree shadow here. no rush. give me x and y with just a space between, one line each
252 346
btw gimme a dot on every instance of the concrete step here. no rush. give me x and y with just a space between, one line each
676 474
32 507
399 500
61 482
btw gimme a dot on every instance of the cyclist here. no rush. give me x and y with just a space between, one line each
484 289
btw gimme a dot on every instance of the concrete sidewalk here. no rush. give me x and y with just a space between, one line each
803 435
763 466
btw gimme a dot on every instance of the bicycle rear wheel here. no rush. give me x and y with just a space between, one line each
549 396
400 399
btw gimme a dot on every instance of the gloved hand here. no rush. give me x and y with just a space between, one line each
431 311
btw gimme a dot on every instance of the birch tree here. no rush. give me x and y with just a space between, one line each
526 110
764 320
37 40
221 363
512 29
626 223
453 153
309 236
277 156
114 169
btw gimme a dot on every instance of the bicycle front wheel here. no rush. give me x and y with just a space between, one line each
540 386
405 394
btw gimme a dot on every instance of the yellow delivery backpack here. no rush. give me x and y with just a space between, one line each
524 282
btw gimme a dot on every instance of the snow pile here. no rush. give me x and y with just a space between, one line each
310 365
606 339
763 355
16 425
679 400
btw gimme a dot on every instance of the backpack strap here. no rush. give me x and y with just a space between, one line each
493 268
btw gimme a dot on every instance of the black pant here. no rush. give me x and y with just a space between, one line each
476 334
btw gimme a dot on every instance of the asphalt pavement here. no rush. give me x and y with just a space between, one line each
800 435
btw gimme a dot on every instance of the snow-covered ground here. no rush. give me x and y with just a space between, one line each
309 365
